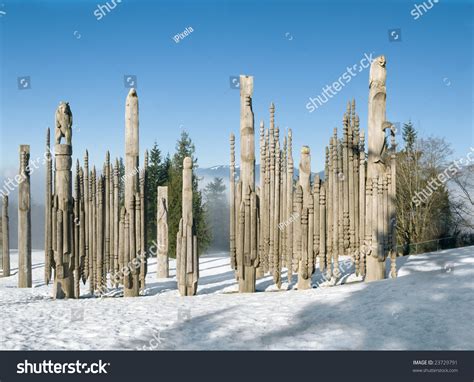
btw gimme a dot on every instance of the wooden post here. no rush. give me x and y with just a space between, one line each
5 238
24 220
162 232
186 254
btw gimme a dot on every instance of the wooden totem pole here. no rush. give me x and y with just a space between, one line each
5 236
63 206
24 220
377 168
162 233
187 262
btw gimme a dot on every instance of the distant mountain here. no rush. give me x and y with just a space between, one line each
207 175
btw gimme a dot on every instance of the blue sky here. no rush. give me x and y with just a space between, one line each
292 48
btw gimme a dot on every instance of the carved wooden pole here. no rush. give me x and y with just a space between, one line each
162 232
261 243
329 210
117 221
297 230
336 183
81 258
131 182
362 205
284 217
111 212
123 239
377 148
276 220
304 273
232 204
24 220
76 232
143 239
247 170
356 195
63 280
106 206
340 228
136 267
289 204
92 231
186 249
392 209
267 212
48 251
322 227
100 234
271 197
5 238
344 179
317 221
85 220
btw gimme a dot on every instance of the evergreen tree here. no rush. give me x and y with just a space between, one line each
217 209
184 148
152 182
409 135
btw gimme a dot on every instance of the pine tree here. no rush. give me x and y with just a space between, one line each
409 135
152 182
184 148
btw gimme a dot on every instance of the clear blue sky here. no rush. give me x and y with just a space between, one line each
292 48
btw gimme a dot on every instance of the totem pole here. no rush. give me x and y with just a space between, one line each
63 206
376 166
162 233
131 288
247 256
5 238
24 220
187 262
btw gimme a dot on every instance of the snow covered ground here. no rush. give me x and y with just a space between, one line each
428 307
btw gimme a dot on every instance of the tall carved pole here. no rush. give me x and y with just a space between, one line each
131 180
247 173
187 268
48 247
304 264
64 254
261 243
24 220
162 232
376 168
362 205
392 210
289 206
5 238
117 221
232 204
143 238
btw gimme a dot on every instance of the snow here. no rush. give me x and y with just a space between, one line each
428 307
